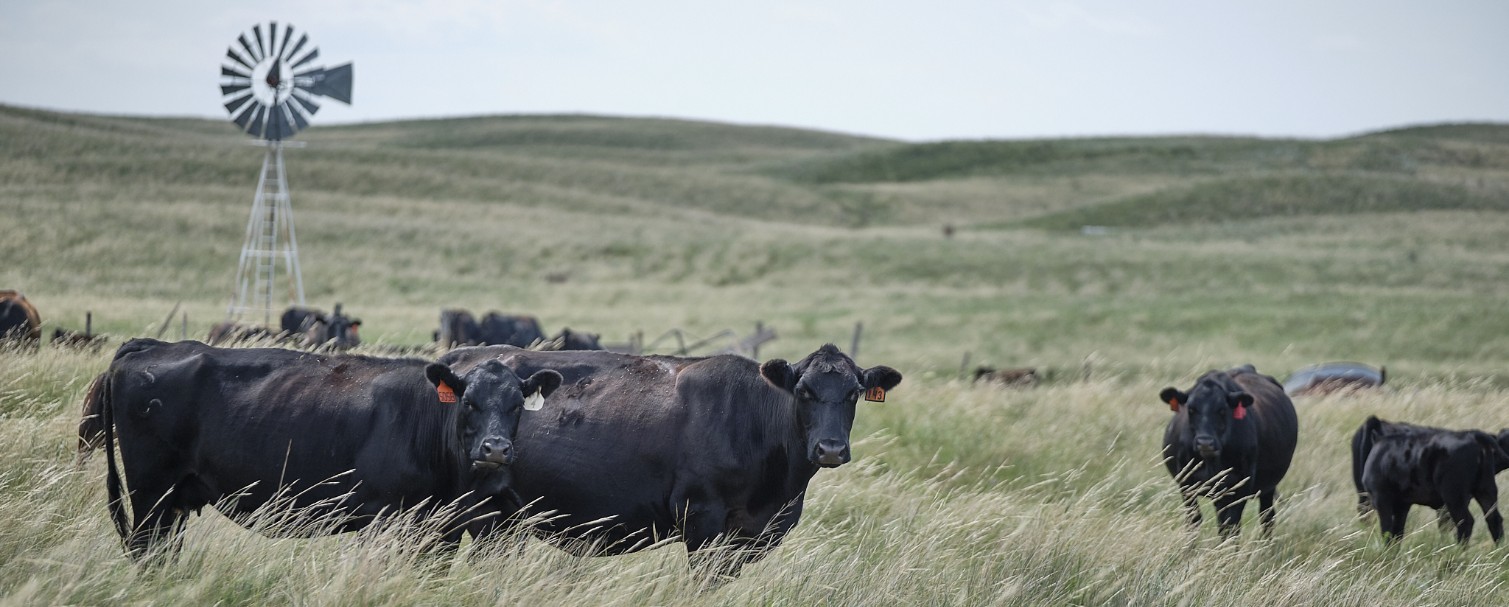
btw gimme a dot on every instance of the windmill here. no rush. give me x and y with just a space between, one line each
271 89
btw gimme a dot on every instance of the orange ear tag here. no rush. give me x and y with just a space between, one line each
446 394
875 395
1240 413
1173 405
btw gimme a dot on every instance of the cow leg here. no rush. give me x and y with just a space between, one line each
1462 516
1229 515
711 550
1392 516
157 533
1266 498
1443 520
1488 500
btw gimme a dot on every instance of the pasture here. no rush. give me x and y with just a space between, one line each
1388 248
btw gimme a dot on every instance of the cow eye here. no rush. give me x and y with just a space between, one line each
805 394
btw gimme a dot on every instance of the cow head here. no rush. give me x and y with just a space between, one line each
1213 408
490 400
826 385
1502 438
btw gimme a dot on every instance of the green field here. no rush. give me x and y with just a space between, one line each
1390 248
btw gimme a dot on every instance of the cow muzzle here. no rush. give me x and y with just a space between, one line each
1207 447
830 453
494 453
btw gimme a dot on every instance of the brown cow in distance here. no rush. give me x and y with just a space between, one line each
18 318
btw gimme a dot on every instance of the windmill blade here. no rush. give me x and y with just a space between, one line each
257 29
334 82
314 52
247 45
272 36
302 39
279 126
233 104
231 89
299 121
287 34
258 121
305 102
226 70
243 119
231 53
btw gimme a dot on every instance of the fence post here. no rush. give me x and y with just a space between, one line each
964 366
754 352
183 329
88 324
859 327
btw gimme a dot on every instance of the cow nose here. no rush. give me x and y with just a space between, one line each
497 450
1206 445
831 453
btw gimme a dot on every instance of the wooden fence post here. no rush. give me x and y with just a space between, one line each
859 327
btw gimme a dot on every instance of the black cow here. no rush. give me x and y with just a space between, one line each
337 440
1435 468
1232 436
317 329
510 329
637 449
19 320
576 340
458 328
1362 446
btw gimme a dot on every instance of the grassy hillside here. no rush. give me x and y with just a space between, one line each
1390 248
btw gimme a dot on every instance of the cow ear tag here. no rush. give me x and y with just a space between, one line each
875 395
1240 413
1173 405
446 394
535 402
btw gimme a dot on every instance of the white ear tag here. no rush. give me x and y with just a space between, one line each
535 402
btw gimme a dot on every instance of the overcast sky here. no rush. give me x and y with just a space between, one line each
914 70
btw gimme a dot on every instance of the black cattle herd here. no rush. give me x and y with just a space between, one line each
620 452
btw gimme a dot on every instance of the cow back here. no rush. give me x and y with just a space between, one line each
624 433
1277 424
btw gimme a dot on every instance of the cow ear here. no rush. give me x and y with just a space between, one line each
883 377
779 374
1173 397
544 382
1238 399
439 374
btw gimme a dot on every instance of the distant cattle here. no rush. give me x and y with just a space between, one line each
305 327
575 340
459 328
19 320
636 449
317 329
510 330
1331 377
1232 436
329 442
1435 468
1026 376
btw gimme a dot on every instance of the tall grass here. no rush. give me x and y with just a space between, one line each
959 494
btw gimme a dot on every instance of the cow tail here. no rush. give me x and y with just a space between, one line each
91 422
112 475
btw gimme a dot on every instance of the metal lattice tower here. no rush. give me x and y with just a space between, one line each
269 239
271 88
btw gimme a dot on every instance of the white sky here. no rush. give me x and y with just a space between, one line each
914 70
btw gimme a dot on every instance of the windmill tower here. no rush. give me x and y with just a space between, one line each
271 89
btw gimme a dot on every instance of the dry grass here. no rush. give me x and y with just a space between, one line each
959 494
